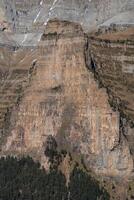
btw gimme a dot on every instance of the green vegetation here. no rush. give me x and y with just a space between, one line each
24 179
84 187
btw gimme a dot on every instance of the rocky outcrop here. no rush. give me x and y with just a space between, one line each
112 60
63 101
14 78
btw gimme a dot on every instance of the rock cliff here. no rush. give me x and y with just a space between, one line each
66 87
112 60
59 98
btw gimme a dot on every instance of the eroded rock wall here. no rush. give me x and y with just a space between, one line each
64 101
112 60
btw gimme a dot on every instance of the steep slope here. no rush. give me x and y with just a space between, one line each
112 59
29 16
64 102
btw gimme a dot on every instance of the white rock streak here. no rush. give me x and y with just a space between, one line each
50 11
25 37
37 16
38 13
41 3
39 38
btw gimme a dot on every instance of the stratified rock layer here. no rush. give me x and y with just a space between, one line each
112 57
63 100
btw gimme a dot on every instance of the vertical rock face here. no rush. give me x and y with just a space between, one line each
113 60
64 101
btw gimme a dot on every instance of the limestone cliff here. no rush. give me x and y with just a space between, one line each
112 60
61 99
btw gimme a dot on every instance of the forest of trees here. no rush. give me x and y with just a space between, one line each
24 179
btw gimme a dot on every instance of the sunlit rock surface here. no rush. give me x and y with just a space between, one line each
60 97
112 56
76 88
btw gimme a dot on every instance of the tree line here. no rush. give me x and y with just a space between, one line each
24 179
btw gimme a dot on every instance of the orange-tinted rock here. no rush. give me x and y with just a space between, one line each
63 100
113 57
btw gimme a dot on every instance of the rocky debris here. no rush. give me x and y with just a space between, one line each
30 16
124 18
